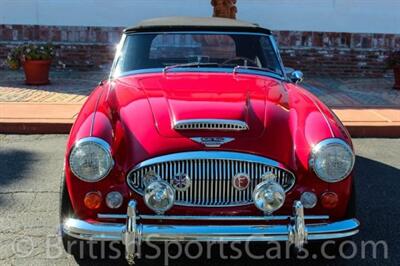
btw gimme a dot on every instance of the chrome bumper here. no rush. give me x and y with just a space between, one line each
133 233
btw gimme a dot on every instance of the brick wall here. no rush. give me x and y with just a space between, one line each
316 53
84 48
339 54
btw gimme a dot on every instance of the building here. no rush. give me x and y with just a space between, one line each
321 37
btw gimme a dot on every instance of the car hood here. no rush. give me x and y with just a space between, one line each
277 114
174 98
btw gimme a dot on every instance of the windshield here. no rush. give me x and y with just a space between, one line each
211 50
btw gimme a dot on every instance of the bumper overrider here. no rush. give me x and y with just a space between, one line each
133 233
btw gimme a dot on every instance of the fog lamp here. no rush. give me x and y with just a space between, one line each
268 196
308 199
114 200
159 196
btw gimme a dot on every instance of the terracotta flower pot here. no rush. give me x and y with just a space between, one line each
37 72
396 71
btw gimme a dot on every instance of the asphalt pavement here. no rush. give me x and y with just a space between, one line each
30 167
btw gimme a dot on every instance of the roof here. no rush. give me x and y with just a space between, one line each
195 23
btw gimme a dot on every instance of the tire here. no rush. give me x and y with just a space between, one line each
65 202
83 249
352 205
71 245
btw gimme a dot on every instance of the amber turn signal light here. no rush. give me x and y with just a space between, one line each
93 200
329 200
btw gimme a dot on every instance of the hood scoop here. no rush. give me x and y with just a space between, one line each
211 124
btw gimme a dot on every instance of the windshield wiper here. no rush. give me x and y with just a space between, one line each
236 68
196 64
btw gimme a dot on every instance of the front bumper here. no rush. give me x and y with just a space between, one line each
133 232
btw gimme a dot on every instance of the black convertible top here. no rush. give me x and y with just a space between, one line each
195 24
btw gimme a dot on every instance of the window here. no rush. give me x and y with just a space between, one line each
192 47
224 50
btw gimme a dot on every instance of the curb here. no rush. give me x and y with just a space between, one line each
35 128
373 131
55 118
356 131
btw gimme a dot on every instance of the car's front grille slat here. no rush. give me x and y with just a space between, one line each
211 179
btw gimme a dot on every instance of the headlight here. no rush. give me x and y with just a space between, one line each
90 159
332 160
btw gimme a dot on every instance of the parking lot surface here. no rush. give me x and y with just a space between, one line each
30 168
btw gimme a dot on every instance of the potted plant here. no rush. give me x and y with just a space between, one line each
393 62
35 60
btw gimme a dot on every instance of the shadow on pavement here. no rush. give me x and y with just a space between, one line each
378 187
13 166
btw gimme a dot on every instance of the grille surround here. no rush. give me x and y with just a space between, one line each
211 174
211 124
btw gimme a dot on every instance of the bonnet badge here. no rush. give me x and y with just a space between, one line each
241 181
212 142
181 182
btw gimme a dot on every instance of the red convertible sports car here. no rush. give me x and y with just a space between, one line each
201 134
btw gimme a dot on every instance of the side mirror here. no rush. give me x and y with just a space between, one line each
296 76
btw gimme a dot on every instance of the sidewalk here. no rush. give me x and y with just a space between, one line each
367 107
43 109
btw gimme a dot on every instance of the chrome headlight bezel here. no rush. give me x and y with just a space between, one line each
99 143
326 144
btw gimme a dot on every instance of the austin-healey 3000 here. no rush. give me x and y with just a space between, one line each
201 134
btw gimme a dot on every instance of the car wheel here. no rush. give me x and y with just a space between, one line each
351 207
71 245
83 249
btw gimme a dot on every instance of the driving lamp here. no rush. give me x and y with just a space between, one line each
90 159
268 196
159 196
332 160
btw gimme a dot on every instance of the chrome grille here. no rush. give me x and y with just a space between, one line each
211 176
211 124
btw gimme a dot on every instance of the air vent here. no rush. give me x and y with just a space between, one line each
211 124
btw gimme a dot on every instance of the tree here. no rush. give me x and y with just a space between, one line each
224 8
